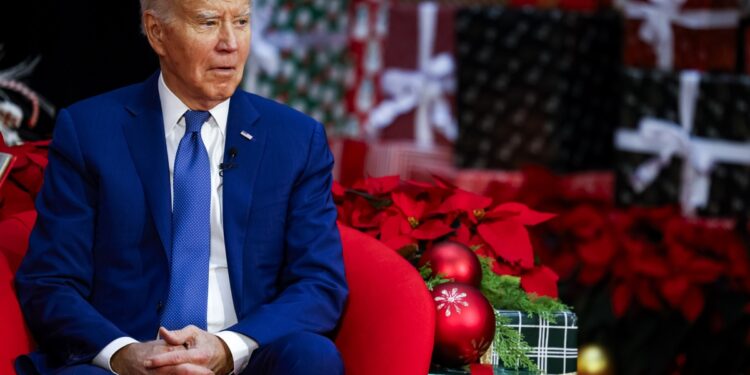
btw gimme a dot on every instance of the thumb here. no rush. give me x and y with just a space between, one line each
176 337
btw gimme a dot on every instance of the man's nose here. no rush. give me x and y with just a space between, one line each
228 38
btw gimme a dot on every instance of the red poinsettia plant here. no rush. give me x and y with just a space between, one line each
410 217
653 258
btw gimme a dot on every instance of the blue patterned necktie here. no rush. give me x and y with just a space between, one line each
191 229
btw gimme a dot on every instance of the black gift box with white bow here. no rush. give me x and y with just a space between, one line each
685 140
537 87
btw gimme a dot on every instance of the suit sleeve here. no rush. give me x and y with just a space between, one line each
55 278
314 285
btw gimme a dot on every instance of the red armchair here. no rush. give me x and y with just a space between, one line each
389 323
387 328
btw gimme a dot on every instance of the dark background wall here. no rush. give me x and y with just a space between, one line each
87 47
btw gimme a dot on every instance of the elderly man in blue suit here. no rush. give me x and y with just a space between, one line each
185 226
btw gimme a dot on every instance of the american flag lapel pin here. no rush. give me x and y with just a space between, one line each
247 135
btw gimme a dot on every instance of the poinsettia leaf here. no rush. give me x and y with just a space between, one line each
704 270
409 206
674 290
621 297
391 228
337 190
463 235
523 214
431 230
509 240
501 268
541 280
378 185
650 265
585 221
363 215
597 252
692 304
464 201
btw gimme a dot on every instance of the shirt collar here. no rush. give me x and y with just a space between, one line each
173 108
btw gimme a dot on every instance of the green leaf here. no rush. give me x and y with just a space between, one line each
505 293
432 281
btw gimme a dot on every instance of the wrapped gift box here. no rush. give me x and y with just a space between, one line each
537 87
694 34
300 57
685 139
349 157
367 33
494 371
418 82
554 343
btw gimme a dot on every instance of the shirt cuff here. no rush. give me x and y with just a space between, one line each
240 346
104 357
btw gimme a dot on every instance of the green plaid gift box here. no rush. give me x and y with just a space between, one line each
554 343
496 371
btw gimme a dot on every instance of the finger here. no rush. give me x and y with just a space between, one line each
176 337
183 369
176 358
193 369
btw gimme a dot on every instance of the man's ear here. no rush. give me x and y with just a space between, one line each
154 29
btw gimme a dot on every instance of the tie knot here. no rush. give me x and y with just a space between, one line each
194 120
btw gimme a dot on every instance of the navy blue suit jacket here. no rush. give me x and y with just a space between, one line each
97 265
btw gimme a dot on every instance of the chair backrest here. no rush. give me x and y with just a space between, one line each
388 326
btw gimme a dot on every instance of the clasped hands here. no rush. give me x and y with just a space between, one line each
190 350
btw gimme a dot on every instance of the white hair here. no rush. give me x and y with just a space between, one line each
162 9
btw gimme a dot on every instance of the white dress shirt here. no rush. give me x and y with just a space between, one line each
220 312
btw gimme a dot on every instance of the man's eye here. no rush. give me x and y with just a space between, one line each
243 21
209 23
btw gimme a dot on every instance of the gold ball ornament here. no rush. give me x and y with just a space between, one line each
594 360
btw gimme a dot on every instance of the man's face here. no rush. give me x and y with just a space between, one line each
203 48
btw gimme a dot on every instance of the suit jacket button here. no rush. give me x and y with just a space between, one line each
159 306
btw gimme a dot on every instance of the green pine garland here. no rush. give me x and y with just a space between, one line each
432 281
504 293
511 346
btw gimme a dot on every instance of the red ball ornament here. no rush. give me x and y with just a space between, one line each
465 324
454 261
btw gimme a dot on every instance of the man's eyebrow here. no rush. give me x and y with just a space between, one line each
205 14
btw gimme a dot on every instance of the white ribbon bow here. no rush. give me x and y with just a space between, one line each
667 139
423 89
659 15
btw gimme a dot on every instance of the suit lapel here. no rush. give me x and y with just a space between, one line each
239 183
144 132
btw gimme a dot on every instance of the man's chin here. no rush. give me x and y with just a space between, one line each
225 90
